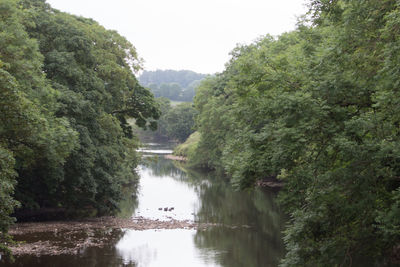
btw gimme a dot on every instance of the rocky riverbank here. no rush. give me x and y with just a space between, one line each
70 237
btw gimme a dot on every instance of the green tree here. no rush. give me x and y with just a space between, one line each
30 134
7 202
180 121
316 108
176 123
92 70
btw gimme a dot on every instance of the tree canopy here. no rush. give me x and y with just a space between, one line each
67 87
317 108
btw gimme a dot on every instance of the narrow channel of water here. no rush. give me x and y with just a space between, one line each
247 229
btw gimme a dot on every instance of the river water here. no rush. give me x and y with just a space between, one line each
246 232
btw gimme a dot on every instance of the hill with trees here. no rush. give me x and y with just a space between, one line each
172 84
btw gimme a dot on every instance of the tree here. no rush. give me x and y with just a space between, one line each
316 108
176 123
30 134
180 121
92 70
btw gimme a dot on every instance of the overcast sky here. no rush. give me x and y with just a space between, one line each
188 34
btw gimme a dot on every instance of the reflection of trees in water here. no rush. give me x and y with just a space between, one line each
239 247
90 257
259 245
129 202
102 257
233 243
160 167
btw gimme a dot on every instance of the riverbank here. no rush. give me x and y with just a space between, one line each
70 237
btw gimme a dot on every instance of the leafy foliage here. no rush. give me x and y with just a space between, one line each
7 203
317 108
91 69
180 121
30 134
67 88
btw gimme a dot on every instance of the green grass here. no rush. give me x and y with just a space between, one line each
189 146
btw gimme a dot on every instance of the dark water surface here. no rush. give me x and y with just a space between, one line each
247 231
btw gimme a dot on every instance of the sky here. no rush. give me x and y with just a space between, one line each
193 35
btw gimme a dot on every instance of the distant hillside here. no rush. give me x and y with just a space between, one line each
172 84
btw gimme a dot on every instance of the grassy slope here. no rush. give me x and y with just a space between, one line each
189 146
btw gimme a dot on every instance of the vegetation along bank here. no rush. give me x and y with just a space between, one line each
318 108
67 88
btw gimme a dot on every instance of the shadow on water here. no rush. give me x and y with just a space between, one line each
247 229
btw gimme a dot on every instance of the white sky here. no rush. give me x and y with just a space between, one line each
188 34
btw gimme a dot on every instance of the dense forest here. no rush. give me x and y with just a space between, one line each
319 109
172 84
67 89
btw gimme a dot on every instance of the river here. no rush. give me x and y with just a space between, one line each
244 227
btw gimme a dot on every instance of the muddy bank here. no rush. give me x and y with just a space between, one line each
71 237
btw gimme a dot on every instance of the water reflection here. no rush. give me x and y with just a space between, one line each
129 202
156 148
164 168
250 222
157 192
155 151
105 256
250 234
239 247
257 209
162 248
248 231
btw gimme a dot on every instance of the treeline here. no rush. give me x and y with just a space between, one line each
172 84
318 108
176 123
67 87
